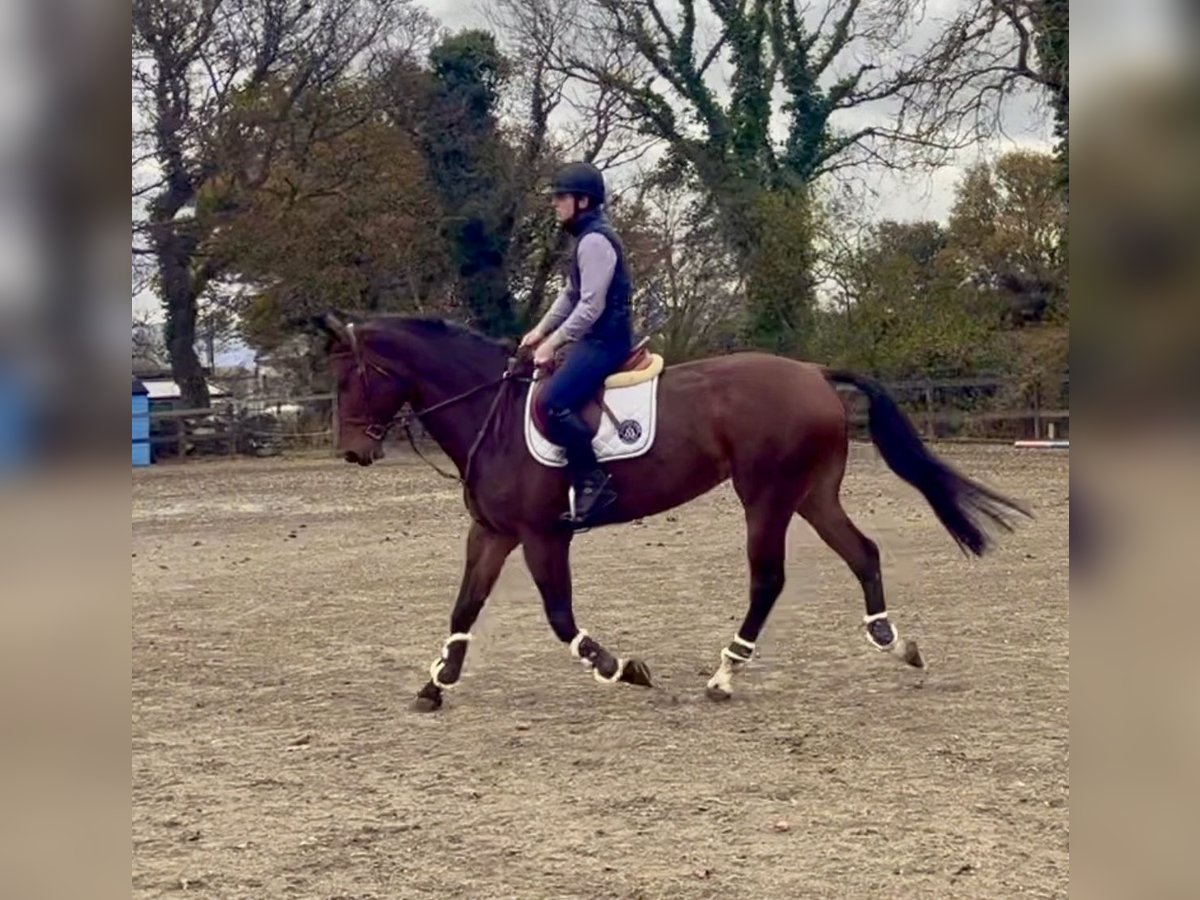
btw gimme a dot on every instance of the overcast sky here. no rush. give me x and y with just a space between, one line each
917 196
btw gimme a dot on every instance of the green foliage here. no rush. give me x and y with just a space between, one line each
779 288
1008 223
394 193
468 161
1052 20
404 205
752 179
908 316
471 68
981 296
1052 38
342 222
401 191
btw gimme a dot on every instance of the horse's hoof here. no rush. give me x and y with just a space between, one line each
426 705
911 655
429 699
637 672
717 694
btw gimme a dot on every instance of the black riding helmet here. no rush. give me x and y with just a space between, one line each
580 178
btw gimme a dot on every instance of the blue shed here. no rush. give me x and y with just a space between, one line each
141 424
16 421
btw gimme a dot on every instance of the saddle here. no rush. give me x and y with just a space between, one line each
639 366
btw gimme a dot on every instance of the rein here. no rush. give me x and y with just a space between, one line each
377 431
405 421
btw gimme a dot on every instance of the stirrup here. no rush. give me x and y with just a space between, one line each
605 498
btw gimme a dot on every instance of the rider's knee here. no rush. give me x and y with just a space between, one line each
543 404
552 408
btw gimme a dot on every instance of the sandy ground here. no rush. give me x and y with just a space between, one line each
286 611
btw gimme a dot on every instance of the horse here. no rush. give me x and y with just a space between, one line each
775 426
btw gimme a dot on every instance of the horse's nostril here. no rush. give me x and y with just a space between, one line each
350 456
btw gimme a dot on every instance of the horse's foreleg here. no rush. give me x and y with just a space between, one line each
766 548
548 558
824 512
486 552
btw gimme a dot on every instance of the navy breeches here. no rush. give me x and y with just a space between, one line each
576 381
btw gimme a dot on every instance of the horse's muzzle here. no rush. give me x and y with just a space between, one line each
363 459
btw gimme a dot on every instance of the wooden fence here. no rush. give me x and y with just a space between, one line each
944 409
257 427
985 409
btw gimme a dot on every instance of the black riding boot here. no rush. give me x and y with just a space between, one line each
592 492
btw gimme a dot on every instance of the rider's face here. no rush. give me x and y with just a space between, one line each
565 206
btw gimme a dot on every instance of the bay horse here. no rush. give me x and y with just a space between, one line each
775 426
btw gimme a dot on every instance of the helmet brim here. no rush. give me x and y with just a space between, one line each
592 201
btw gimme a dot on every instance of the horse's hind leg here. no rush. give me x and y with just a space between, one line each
767 520
486 552
823 510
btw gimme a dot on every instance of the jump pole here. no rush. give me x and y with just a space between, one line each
1042 445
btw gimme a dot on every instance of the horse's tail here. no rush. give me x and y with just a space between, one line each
960 503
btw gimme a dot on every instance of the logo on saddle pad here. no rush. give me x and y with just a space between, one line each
623 417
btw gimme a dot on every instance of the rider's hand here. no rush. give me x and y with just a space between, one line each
543 354
532 339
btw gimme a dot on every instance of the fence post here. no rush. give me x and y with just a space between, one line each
333 427
235 432
928 410
1037 410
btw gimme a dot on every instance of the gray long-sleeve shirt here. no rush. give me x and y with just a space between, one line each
569 316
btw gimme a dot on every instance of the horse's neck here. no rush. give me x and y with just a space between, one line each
455 425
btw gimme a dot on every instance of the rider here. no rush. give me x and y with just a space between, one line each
592 315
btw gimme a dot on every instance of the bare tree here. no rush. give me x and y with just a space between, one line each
990 50
533 35
147 343
602 128
193 62
808 90
556 116
689 287
843 228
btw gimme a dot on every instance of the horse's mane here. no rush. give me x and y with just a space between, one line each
434 327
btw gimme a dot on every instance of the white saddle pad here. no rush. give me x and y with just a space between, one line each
636 410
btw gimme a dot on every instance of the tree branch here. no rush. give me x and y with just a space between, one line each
712 54
668 35
839 38
148 189
677 68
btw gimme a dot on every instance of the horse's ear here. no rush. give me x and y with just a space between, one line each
333 325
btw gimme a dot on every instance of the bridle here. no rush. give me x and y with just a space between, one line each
378 431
